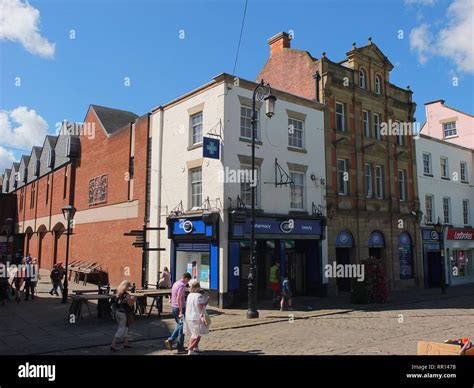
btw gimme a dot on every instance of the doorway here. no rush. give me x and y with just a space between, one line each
295 266
434 269
343 256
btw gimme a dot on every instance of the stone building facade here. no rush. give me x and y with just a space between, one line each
372 200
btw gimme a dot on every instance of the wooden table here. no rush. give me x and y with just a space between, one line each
143 294
79 300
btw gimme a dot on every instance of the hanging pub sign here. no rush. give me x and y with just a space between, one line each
211 147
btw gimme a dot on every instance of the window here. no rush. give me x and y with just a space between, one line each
379 181
447 210
297 190
196 127
464 172
449 129
342 176
51 158
362 79
465 212
47 190
429 208
400 133
295 133
340 120
65 183
444 167
377 126
378 84
427 167
245 179
32 195
131 167
246 123
402 185
21 198
368 180
365 123
196 187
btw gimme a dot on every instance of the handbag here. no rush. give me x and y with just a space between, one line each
206 319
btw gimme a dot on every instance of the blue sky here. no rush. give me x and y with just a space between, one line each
141 40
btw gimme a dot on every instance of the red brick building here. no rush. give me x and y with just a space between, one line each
100 167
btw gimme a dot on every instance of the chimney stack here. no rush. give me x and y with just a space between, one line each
278 42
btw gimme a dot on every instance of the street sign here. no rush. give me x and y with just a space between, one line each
211 147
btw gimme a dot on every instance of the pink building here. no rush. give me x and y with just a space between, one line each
449 124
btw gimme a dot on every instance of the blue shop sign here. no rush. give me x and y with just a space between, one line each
190 227
344 239
211 147
429 235
273 226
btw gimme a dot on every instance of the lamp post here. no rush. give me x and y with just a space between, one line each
68 213
8 224
262 92
440 230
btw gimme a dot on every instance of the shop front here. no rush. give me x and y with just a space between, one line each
344 252
459 245
294 242
431 258
195 249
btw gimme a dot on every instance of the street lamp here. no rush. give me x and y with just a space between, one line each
68 213
439 228
262 92
8 223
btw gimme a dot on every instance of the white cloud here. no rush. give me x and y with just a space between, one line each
453 41
21 128
6 159
456 40
19 22
421 41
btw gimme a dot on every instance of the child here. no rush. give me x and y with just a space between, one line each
285 293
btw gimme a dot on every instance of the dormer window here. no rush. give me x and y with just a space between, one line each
362 79
378 84
37 168
51 158
25 175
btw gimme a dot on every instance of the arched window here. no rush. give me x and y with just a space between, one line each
378 84
362 78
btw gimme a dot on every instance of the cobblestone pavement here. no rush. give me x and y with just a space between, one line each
386 332
329 325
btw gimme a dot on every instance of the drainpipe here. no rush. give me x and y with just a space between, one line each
160 166
357 169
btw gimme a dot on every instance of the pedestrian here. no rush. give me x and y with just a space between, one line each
123 314
28 259
56 276
31 279
178 308
17 260
165 279
19 279
285 293
275 281
195 323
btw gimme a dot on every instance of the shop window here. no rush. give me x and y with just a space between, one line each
405 252
197 264
462 263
